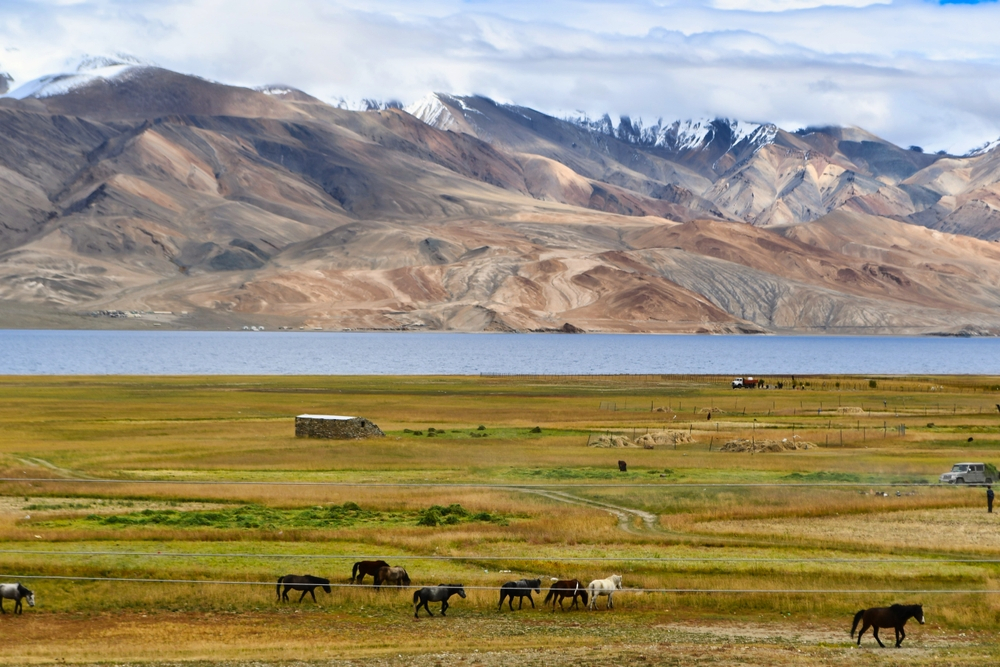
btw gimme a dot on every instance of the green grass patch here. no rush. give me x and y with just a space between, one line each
438 515
260 517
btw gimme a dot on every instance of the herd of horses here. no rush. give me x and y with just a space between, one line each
382 573
894 617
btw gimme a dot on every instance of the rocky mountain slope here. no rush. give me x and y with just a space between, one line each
126 187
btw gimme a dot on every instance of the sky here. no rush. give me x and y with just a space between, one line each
916 72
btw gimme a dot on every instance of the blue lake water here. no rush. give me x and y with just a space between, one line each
328 353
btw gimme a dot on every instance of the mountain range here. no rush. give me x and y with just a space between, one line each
126 188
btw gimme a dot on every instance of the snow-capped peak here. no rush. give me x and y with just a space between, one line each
366 104
681 135
985 148
433 111
84 71
90 63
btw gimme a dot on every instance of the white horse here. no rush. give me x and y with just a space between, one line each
15 592
604 587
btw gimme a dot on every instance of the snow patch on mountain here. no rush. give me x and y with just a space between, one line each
276 89
85 71
984 149
365 104
433 111
681 135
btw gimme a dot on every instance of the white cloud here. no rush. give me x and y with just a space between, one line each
912 71
787 5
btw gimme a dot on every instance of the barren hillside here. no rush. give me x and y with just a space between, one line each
139 189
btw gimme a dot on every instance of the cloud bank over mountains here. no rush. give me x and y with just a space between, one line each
913 72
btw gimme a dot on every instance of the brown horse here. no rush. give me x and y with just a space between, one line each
391 576
566 588
369 567
894 617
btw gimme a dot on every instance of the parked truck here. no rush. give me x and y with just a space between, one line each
745 383
969 473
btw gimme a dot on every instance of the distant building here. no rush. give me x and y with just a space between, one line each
335 427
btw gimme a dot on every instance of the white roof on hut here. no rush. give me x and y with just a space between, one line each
337 417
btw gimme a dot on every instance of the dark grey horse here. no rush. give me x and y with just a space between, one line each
519 589
301 582
15 592
439 593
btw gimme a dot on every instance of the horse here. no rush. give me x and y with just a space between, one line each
370 567
15 592
301 582
439 593
394 576
895 617
566 588
519 589
604 587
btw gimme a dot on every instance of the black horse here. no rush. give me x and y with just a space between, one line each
301 582
519 589
369 567
894 617
439 593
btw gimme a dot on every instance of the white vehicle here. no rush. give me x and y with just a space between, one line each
967 473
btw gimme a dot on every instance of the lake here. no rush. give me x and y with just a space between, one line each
356 353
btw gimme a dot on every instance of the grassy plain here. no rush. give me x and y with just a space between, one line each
229 504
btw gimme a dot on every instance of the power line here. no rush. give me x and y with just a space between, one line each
512 487
784 591
473 557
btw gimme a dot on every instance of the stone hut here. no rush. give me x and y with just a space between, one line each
335 427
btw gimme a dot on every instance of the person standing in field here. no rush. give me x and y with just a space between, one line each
989 499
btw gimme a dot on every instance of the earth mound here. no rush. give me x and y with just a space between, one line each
764 446
646 441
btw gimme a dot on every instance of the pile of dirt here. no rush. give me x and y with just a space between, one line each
650 440
611 441
851 410
718 411
764 446
646 441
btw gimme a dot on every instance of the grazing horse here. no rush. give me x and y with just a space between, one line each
519 589
369 567
15 592
439 593
895 617
301 582
566 588
604 587
393 576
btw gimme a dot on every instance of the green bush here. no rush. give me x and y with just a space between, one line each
453 514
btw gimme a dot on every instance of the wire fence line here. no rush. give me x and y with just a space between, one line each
775 591
473 557
508 487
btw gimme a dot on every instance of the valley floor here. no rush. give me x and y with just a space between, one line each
727 558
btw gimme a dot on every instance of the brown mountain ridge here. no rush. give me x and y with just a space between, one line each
155 191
